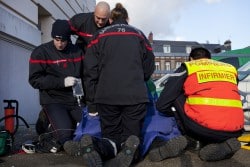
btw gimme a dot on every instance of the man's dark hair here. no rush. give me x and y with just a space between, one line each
198 53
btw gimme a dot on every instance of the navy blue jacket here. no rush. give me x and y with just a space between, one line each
83 25
117 63
47 69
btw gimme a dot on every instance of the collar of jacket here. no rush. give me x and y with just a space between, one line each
120 21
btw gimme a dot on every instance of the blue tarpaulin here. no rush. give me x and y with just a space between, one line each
155 125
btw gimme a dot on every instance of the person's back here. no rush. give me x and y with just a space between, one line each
125 60
121 78
206 100
213 100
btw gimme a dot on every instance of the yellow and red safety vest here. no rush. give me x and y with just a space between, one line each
213 100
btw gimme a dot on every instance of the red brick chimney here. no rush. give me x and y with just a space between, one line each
150 37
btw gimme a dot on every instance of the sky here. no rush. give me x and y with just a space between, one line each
203 21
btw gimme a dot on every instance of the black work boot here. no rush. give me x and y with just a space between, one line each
168 149
90 155
85 148
73 148
126 156
220 151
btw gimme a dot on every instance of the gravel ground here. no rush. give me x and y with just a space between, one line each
187 159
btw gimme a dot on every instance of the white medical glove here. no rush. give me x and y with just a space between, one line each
69 81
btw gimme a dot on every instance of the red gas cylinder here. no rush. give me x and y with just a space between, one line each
9 121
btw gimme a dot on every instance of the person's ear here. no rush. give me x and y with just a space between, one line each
110 21
127 20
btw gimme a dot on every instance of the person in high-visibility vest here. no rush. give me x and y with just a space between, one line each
205 101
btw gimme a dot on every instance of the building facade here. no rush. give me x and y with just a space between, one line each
170 54
25 24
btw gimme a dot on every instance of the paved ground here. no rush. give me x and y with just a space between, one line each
188 159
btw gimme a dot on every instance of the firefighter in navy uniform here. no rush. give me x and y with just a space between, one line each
205 100
84 25
54 68
118 62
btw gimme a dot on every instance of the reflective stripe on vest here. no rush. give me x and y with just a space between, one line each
214 102
209 65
